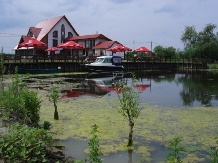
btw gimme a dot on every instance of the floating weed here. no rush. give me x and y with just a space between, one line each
192 157
194 125
145 152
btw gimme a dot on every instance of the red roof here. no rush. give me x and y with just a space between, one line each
35 31
94 36
25 38
47 25
104 45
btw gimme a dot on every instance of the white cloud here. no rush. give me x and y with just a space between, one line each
142 21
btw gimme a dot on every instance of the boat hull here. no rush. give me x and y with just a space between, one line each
38 71
96 68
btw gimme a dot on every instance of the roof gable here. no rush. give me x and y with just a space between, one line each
35 31
47 25
104 45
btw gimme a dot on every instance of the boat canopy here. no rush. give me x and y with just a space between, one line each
116 60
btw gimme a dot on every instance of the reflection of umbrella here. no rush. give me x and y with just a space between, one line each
32 43
142 49
71 45
142 87
52 49
120 48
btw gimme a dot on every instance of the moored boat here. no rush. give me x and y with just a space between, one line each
39 71
106 64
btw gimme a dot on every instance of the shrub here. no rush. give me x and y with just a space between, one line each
20 103
46 125
24 144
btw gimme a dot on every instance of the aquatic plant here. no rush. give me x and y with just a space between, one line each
214 152
94 150
94 146
174 157
53 97
129 105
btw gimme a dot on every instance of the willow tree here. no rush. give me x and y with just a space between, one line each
129 105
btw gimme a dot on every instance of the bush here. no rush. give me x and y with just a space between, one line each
20 103
29 112
24 144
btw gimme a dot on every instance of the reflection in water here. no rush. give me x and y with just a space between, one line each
130 155
169 88
199 87
93 87
100 86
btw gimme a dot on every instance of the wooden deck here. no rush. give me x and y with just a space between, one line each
75 64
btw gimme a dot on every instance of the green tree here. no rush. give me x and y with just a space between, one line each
170 52
202 45
129 105
208 41
53 97
189 36
159 51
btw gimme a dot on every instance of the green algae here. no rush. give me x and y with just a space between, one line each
196 125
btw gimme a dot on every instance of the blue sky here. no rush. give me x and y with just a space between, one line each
133 23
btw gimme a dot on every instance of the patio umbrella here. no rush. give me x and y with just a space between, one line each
52 49
32 43
71 45
142 49
119 48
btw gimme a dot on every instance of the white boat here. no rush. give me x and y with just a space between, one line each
106 64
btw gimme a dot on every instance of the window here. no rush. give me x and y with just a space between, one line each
87 43
62 33
30 34
107 60
55 43
70 34
55 34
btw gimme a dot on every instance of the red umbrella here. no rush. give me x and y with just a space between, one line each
120 48
142 49
71 45
32 43
142 87
52 49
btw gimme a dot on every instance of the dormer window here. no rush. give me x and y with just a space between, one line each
55 34
30 34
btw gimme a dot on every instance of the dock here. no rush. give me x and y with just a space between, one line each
78 65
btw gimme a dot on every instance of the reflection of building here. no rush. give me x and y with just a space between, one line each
94 87
57 30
